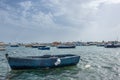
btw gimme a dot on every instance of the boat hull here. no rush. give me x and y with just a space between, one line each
14 46
36 63
44 48
65 47
111 46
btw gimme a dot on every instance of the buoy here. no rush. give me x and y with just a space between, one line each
87 66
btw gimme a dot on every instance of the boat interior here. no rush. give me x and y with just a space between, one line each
51 56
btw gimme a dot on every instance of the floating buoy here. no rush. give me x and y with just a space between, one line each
87 66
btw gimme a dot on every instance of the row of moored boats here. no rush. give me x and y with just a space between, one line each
110 45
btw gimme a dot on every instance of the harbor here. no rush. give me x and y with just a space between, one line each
97 63
112 44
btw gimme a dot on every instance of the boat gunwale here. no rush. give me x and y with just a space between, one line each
43 58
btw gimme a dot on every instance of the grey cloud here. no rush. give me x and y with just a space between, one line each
78 20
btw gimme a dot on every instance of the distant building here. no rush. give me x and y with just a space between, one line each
55 43
2 44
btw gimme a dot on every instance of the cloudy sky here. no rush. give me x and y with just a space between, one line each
59 20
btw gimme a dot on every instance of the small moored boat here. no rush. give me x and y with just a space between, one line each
45 61
44 48
37 46
111 46
65 46
14 45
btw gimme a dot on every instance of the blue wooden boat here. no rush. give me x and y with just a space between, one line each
45 61
44 48
65 46
111 46
14 45
37 46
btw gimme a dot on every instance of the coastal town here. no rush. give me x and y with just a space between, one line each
106 44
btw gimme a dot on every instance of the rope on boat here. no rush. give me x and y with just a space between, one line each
57 62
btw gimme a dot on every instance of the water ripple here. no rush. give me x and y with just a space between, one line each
97 63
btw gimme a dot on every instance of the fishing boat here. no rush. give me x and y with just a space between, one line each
65 46
111 45
44 48
14 45
45 61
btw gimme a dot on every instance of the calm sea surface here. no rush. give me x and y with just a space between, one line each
98 63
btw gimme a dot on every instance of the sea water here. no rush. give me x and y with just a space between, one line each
96 63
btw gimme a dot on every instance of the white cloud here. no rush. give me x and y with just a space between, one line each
26 4
113 1
94 4
43 20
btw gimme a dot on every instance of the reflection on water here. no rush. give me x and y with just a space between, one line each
97 63
44 74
